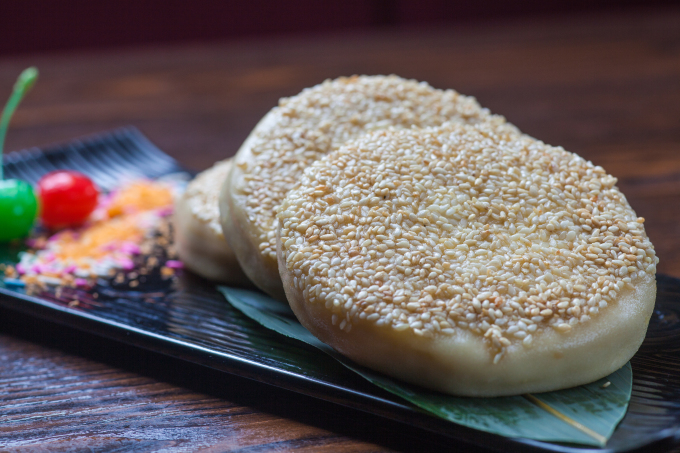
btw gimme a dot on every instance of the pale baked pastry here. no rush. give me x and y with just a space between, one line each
469 260
303 129
198 234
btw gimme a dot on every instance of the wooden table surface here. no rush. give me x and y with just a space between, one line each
606 87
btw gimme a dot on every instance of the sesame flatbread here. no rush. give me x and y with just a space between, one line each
469 260
304 128
198 234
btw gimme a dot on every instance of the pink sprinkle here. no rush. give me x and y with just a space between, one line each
127 264
164 212
80 282
174 264
50 257
71 268
130 247
20 268
37 268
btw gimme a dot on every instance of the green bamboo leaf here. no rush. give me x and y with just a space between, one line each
585 415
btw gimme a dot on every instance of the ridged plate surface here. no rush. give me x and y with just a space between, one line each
191 321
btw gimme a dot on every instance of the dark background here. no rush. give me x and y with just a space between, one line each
29 26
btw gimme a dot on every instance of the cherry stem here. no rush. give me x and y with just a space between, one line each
22 86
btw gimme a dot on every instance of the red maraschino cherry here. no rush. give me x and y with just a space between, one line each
67 198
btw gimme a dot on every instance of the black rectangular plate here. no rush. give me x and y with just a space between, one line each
191 321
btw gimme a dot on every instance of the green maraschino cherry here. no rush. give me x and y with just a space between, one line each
18 203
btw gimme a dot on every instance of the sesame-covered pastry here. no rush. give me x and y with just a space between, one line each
469 260
304 128
198 233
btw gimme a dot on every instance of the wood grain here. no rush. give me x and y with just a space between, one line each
606 87
64 390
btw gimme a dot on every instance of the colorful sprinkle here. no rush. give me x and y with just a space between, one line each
174 264
109 241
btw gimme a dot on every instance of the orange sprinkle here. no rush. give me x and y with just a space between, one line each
140 196
92 241
167 272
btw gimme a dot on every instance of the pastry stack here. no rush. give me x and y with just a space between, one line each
424 237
